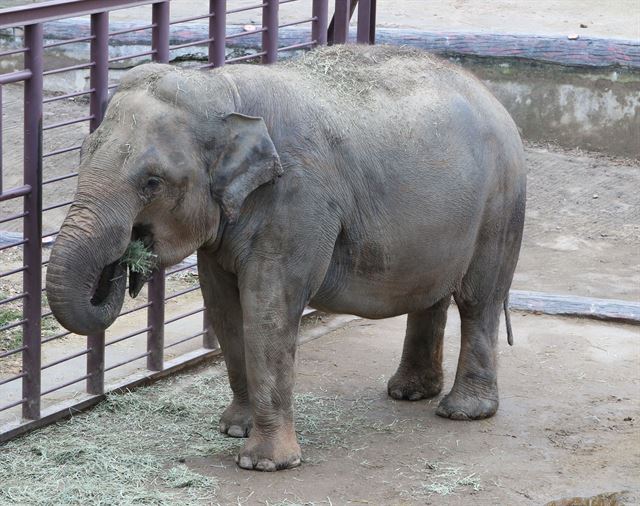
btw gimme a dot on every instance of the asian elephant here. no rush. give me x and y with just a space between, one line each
375 181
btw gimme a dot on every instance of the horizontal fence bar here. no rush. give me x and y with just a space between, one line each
55 336
8 353
13 325
247 57
68 95
49 234
68 122
14 193
182 292
184 340
14 271
180 269
131 56
14 77
12 378
65 359
133 310
14 298
131 30
189 44
125 362
294 23
248 8
59 178
13 244
244 34
68 41
185 315
67 384
298 46
79 66
13 51
193 18
56 206
14 217
13 405
61 151
127 336
59 9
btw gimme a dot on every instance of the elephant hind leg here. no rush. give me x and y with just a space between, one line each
419 374
480 301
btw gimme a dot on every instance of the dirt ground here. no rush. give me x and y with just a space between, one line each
616 19
567 426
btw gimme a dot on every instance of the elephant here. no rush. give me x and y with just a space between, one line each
369 180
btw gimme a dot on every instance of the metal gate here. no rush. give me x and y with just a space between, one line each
30 396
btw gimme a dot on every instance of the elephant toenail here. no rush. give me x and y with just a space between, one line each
266 465
415 396
245 462
236 431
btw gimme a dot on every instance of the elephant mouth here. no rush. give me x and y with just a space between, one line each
111 281
108 282
137 281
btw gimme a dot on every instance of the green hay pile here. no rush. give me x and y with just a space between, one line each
132 448
138 258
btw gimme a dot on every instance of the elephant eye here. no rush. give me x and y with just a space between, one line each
153 183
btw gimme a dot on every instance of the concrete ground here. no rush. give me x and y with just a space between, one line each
567 426
613 19
567 423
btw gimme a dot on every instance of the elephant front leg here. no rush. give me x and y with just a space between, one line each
271 321
222 303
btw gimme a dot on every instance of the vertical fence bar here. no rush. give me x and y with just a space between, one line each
366 22
155 313
32 253
372 22
320 11
341 18
99 79
270 35
217 31
160 32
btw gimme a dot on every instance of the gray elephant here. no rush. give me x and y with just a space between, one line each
374 181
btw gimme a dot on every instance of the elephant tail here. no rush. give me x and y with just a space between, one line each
507 319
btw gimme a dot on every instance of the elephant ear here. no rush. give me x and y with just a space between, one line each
249 160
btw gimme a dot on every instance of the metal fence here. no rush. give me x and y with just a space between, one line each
26 393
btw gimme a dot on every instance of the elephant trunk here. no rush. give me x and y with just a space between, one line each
85 279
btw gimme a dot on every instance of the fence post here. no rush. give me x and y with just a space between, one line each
366 21
99 81
320 11
341 18
32 252
155 291
217 31
270 35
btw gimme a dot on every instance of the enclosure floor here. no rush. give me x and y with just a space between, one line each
567 426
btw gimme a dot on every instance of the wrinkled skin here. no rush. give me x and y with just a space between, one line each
383 197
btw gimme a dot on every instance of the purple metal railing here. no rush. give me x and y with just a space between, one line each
32 18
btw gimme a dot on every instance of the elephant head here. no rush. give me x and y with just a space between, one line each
170 161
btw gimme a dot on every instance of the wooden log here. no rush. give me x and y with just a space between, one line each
621 311
584 51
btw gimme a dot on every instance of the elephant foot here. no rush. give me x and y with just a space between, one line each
467 407
270 453
236 421
412 387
